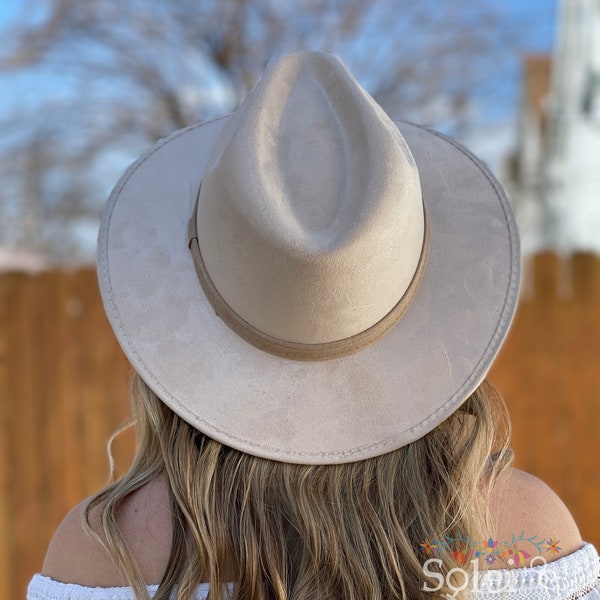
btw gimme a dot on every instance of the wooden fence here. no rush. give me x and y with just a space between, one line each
63 389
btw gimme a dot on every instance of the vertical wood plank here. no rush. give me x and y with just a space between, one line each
24 448
8 289
51 353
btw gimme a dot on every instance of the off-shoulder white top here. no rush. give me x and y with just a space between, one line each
572 577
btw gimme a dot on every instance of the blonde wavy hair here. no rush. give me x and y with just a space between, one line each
302 532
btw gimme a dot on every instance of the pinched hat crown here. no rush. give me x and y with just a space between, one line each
310 219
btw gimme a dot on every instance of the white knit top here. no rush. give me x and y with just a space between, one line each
572 577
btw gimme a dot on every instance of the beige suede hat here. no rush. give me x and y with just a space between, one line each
306 280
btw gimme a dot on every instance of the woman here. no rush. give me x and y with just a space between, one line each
311 296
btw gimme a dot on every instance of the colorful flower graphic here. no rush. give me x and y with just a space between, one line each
490 550
461 556
519 557
428 547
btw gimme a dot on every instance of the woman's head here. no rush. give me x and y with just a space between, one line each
282 530
315 293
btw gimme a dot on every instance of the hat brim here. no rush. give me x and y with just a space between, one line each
336 411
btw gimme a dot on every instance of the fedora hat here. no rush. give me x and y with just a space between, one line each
306 280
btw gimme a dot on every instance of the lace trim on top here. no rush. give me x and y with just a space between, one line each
569 578
572 577
45 588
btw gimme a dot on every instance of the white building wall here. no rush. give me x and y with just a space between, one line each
571 176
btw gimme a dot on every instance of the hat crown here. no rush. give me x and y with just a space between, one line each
310 217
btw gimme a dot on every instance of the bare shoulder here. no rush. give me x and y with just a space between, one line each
523 503
74 556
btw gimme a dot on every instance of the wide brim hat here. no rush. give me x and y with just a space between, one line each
390 301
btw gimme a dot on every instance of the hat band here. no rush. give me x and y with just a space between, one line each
296 350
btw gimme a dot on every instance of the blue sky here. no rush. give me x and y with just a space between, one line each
535 21
495 103
532 22
536 17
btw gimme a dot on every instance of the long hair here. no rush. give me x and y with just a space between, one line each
301 532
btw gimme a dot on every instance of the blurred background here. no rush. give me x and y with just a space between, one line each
86 86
